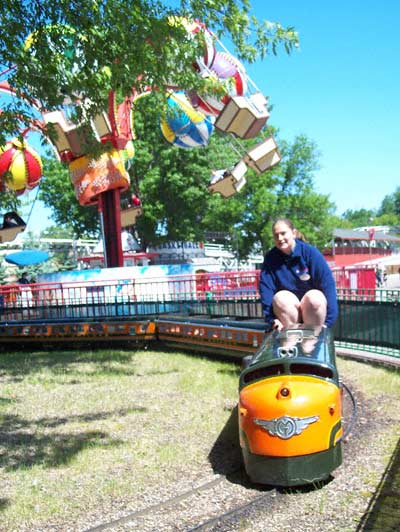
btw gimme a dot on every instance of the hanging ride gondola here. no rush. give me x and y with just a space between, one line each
11 226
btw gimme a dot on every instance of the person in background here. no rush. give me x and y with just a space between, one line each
378 275
296 283
24 278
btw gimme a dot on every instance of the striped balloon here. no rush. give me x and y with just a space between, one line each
20 167
183 126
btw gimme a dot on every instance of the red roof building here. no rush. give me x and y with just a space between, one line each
350 247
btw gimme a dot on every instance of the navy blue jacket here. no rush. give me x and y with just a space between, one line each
304 269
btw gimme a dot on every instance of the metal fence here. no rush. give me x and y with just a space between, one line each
367 317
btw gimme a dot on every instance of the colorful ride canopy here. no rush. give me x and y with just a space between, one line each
91 177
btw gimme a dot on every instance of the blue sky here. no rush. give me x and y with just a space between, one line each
340 88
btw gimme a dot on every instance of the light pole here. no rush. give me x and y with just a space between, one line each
371 233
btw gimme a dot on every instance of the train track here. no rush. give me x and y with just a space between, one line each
217 504
163 515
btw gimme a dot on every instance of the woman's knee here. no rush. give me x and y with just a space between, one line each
314 300
284 299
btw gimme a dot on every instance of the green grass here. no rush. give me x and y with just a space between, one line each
85 431
381 384
81 430
377 379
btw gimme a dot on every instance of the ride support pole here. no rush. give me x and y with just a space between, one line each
110 211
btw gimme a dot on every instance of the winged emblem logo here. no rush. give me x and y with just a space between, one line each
286 426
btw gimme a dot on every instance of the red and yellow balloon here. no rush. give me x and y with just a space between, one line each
20 167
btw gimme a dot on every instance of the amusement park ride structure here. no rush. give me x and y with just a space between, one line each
12 225
240 113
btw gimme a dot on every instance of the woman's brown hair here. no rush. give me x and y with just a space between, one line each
298 234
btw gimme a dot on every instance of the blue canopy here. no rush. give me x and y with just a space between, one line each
27 257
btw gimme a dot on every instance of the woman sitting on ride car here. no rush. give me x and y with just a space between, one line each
296 283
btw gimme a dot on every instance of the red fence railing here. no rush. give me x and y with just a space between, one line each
195 287
220 286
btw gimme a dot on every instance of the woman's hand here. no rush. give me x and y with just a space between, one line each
277 325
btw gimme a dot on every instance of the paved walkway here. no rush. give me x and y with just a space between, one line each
359 354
